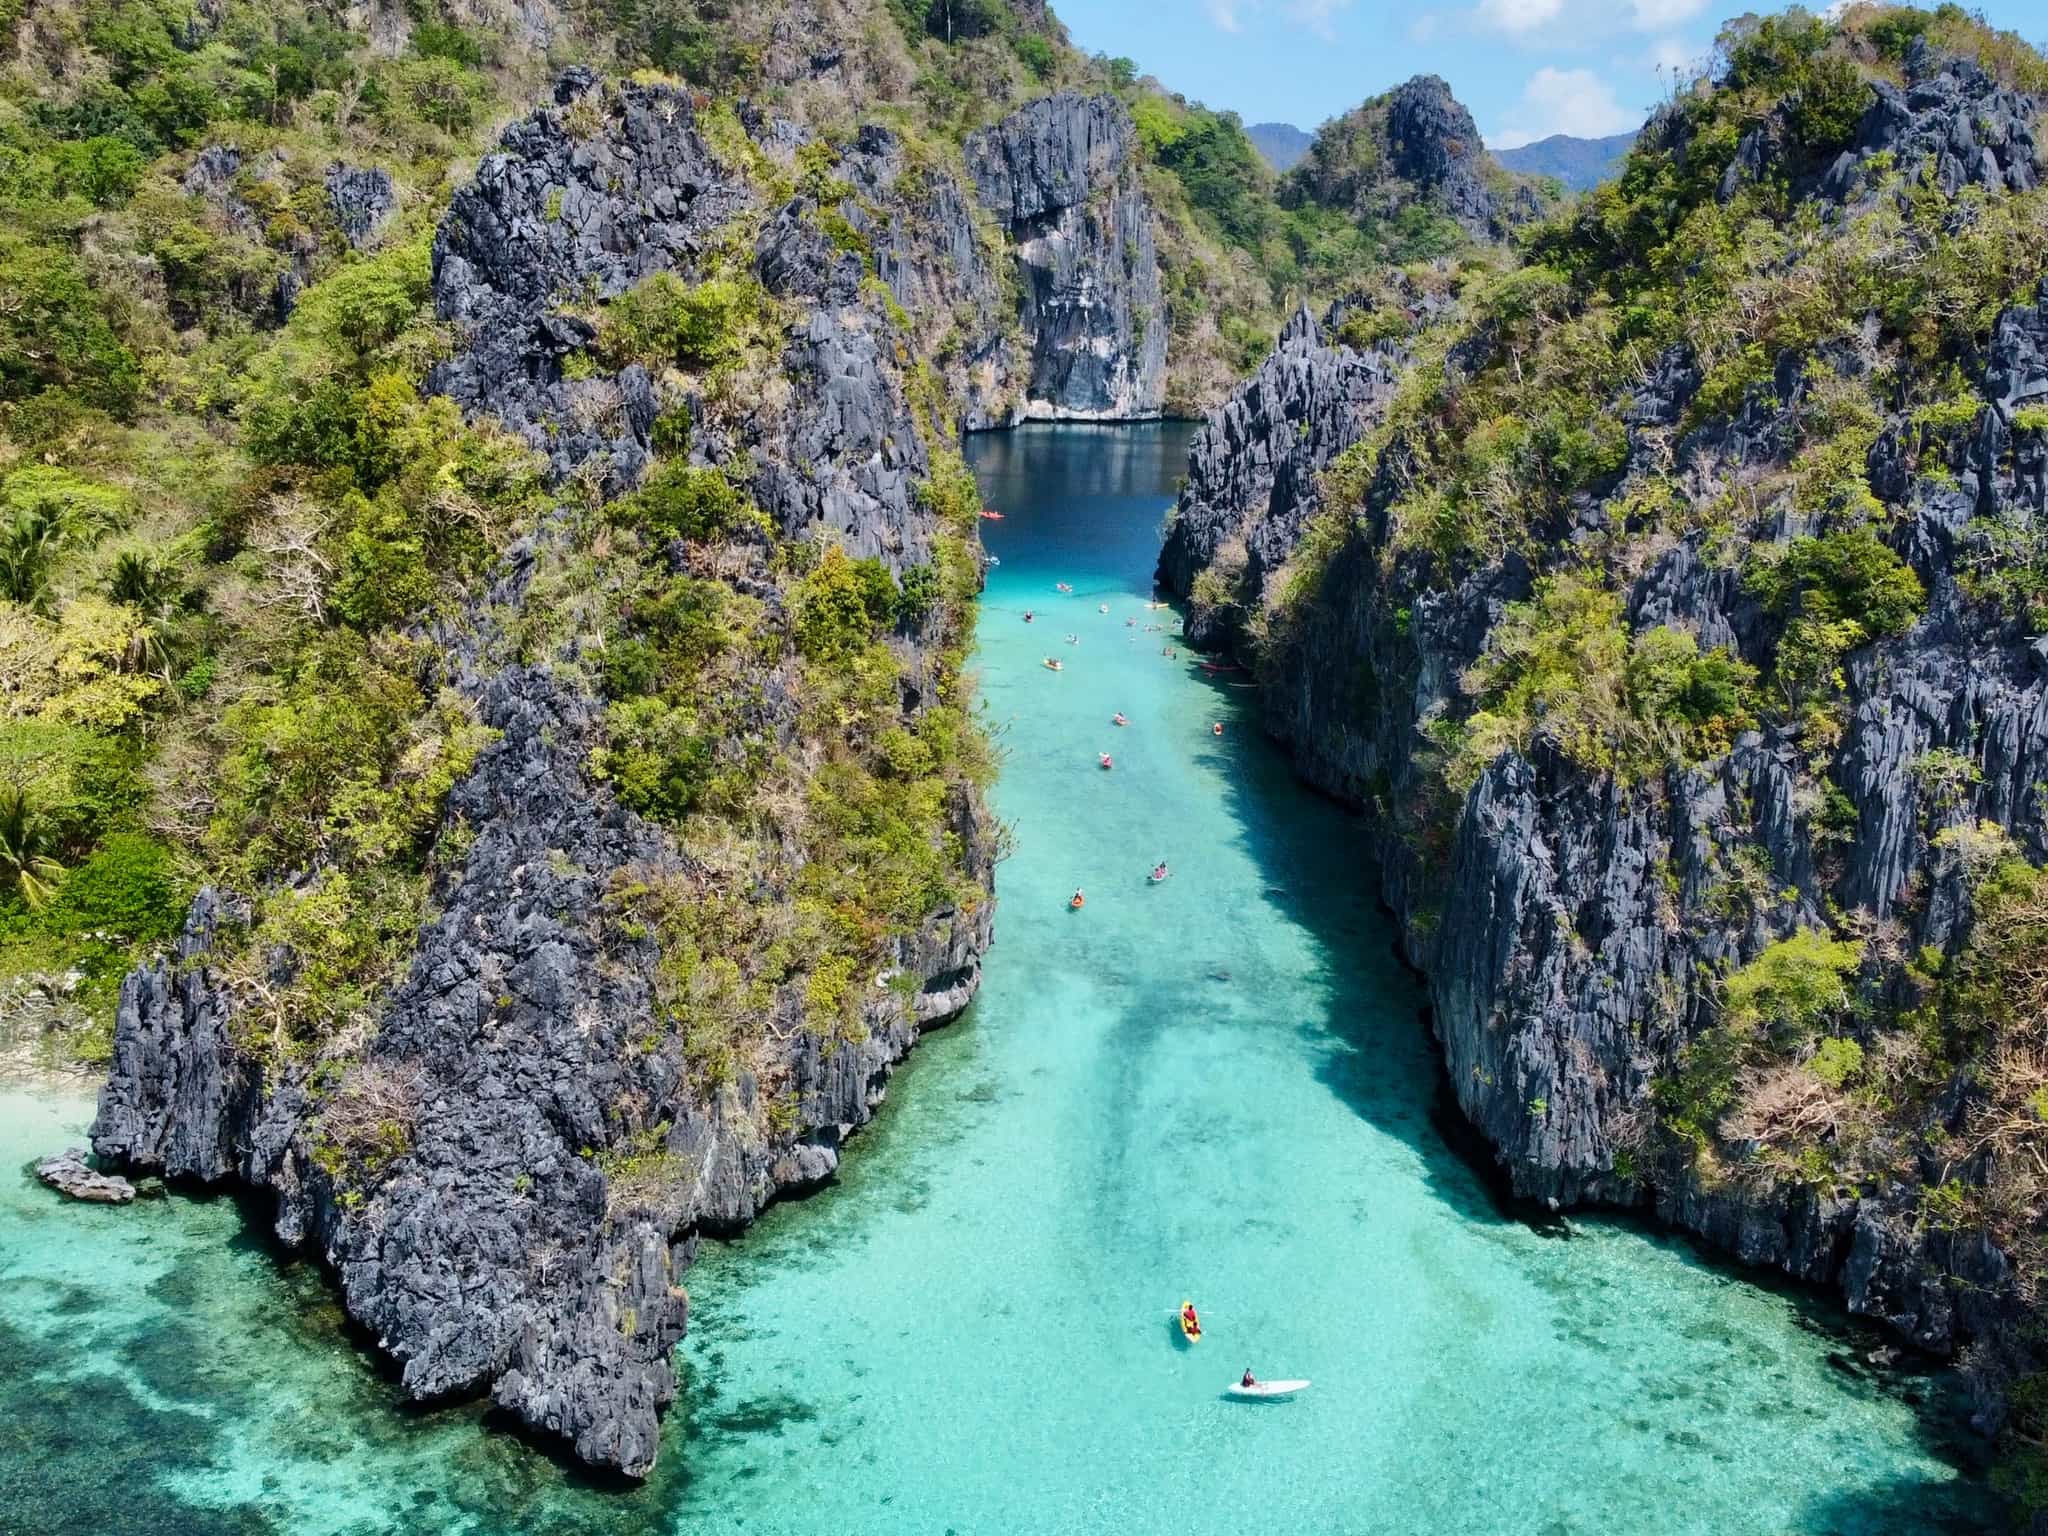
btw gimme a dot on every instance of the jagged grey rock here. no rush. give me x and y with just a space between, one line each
1252 468
1414 147
363 199
1058 173
1952 117
1436 145
549 221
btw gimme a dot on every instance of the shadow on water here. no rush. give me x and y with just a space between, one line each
1380 1061
1900 1506
1385 1066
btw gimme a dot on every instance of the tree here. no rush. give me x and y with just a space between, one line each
53 331
28 547
26 840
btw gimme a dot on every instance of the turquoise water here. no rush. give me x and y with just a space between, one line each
1217 1088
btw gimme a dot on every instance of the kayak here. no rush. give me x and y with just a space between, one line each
1265 1388
1192 1327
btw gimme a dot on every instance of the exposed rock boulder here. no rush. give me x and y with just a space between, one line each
1058 173
363 199
69 1173
1953 118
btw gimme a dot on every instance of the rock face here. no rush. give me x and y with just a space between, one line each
551 215
1571 927
1436 145
178 1094
68 1173
212 178
1953 117
514 1078
941 268
363 200
1253 468
1058 174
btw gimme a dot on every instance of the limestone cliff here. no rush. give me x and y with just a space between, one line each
1411 153
1254 469
1578 927
507 1172
1060 175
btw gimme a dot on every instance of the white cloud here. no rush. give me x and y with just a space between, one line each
1573 101
1673 56
1656 15
1318 15
1425 27
1518 16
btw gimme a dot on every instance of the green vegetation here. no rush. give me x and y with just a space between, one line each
1835 593
1772 1009
1562 665
214 530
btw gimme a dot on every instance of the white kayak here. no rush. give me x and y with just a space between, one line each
1264 1388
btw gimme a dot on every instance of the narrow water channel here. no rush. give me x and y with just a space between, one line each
1216 1087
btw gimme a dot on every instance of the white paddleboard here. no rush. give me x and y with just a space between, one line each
1265 1388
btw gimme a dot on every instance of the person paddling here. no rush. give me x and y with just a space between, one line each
1246 1380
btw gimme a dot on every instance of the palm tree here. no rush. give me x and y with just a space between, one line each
154 588
25 843
28 546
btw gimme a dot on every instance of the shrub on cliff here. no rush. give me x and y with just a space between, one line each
1835 593
1563 666
843 606
668 321
1792 988
690 501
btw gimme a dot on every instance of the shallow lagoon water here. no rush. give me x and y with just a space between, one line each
1217 1088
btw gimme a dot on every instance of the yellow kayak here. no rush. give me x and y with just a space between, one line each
1190 1324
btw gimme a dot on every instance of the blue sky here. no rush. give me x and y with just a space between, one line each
1526 68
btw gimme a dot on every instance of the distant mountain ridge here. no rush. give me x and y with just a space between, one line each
1280 145
1581 164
